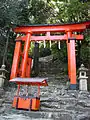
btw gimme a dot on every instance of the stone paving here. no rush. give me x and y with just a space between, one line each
57 103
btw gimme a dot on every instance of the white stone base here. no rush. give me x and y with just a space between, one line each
83 84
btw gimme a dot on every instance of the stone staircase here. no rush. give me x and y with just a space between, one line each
57 103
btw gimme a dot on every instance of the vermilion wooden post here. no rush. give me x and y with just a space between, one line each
16 59
71 60
68 51
25 60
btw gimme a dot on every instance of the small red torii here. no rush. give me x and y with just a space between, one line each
29 31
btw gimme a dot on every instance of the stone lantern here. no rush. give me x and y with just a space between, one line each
2 75
82 78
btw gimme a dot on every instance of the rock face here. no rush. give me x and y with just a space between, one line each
57 102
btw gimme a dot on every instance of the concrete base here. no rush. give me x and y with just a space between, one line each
73 86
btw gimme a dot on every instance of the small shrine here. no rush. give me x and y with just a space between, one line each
27 100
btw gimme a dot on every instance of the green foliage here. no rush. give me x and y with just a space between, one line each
43 12
39 11
85 54
60 54
12 11
85 49
70 11
45 52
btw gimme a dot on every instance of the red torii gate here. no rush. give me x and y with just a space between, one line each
22 62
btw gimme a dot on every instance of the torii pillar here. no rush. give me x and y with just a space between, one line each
71 60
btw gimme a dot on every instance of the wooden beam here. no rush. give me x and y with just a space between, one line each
52 38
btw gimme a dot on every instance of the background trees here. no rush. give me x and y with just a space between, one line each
43 12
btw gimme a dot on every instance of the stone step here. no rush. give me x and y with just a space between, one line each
44 114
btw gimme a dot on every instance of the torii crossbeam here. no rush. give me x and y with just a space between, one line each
21 60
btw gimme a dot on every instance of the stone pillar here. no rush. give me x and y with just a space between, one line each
82 78
2 75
